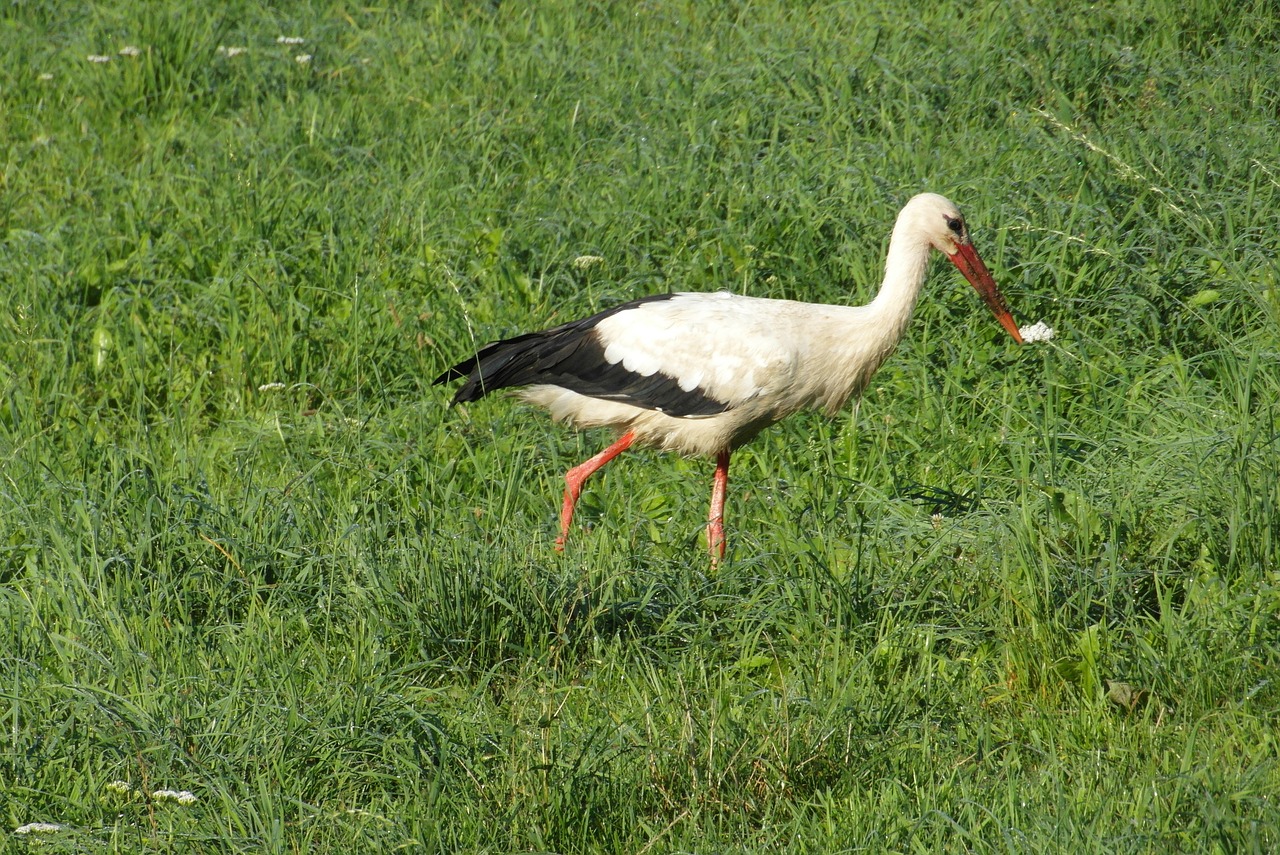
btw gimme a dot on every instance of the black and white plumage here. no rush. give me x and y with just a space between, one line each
572 356
703 373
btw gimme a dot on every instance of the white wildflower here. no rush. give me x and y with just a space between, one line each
290 40
97 57
120 788
129 50
936 521
229 52
182 797
584 262
1039 331
45 76
302 58
271 387
38 828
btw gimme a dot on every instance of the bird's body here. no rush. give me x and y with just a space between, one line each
751 362
703 373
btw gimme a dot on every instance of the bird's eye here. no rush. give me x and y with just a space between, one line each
956 225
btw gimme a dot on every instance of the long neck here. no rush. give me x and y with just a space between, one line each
862 337
904 272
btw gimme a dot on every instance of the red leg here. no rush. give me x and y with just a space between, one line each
715 520
577 476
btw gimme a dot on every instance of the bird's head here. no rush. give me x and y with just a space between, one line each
938 221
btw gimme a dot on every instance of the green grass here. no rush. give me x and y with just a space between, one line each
1020 600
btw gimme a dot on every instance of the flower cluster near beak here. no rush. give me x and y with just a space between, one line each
1039 331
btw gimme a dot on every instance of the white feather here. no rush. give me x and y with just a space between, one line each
725 345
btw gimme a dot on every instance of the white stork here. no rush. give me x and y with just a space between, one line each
704 373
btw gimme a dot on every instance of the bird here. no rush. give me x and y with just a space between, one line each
702 373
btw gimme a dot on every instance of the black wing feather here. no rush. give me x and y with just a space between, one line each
572 356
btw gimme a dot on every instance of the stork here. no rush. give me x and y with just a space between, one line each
703 373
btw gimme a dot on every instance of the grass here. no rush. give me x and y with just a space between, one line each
1020 600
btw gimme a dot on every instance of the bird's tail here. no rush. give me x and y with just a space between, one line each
516 361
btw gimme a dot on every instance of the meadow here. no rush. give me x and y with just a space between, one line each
263 590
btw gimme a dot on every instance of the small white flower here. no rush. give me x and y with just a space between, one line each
584 262
290 40
182 797
97 57
302 58
936 520
120 788
1039 331
271 387
38 828
129 50
45 76
229 52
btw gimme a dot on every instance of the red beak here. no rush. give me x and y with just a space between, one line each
966 258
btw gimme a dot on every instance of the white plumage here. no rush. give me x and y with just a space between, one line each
763 359
704 373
